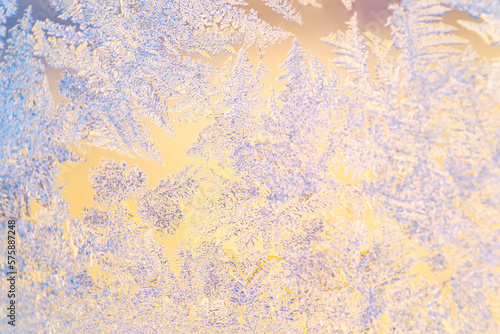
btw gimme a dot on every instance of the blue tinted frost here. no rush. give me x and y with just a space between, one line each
363 197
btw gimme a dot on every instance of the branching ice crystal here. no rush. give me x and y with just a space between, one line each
159 206
112 183
7 9
28 158
127 58
364 196
285 8
348 4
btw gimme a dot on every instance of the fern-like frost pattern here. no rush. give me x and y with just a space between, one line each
361 197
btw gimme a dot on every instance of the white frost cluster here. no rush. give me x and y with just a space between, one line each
364 197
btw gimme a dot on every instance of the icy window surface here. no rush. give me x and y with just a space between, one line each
361 194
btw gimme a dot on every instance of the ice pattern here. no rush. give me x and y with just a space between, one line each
363 196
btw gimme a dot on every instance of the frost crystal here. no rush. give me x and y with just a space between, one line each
362 196
348 4
285 8
112 183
